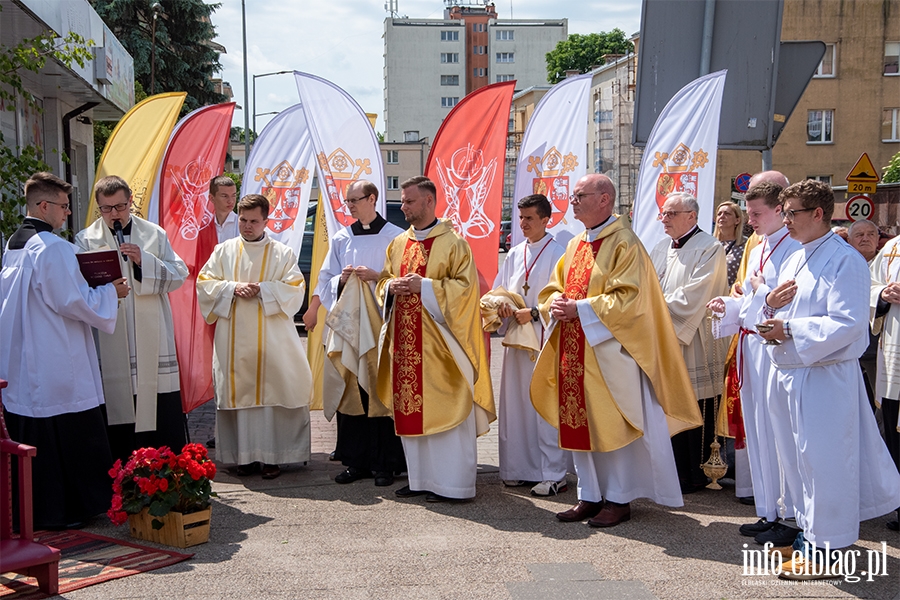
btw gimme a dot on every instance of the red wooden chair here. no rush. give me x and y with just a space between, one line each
22 554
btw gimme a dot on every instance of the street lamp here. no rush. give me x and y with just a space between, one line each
254 94
155 7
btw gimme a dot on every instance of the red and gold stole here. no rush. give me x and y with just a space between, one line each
574 433
407 357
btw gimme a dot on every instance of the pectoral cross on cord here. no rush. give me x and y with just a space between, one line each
528 269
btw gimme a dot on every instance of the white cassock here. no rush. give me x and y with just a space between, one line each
740 318
47 351
645 468
529 445
836 467
263 381
690 277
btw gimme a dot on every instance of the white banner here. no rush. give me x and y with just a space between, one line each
681 156
553 155
281 168
345 145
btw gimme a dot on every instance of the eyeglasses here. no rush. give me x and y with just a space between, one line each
64 206
790 214
580 197
355 200
670 213
113 207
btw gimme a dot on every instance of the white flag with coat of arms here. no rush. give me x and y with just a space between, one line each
553 155
681 157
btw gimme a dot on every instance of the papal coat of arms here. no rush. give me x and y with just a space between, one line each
339 170
550 179
680 171
282 187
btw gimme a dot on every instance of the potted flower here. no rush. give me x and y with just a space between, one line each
164 496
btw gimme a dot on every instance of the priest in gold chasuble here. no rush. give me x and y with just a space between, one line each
433 373
611 377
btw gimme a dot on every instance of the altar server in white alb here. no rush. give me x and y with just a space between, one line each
138 362
529 448
47 355
885 314
366 442
740 317
836 467
251 288
692 270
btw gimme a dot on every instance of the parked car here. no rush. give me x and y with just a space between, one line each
505 230
304 261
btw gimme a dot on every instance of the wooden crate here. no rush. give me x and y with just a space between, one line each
178 530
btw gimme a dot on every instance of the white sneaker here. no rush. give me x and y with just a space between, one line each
513 482
550 488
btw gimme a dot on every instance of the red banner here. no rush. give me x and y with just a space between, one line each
466 164
196 154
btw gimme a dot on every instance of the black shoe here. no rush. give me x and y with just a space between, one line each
690 488
352 474
211 443
754 529
779 535
432 497
748 500
248 469
405 492
332 456
893 525
270 471
383 478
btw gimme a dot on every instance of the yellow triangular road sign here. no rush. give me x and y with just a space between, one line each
864 170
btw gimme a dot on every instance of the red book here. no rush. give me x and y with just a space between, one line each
99 267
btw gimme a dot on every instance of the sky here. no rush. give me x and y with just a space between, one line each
341 40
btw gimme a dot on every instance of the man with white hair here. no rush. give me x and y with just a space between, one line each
863 235
692 271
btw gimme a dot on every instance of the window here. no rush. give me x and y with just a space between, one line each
479 49
479 72
506 57
449 79
449 57
449 36
826 67
478 27
236 166
890 125
393 182
315 182
505 35
449 101
819 125
822 178
502 78
393 157
411 136
892 58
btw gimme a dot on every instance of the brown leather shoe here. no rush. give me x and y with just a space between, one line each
611 515
581 511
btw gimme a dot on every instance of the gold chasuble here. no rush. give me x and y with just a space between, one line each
596 404
430 373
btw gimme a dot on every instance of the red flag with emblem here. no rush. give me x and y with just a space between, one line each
196 154
466 164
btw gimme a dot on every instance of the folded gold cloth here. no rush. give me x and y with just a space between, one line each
518 336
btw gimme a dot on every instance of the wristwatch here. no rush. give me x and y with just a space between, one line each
535 314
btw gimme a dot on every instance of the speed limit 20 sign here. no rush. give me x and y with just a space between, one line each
860 208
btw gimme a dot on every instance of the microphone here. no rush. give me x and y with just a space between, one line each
120 237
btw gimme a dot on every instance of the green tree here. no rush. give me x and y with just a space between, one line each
16 167
892 170
186 56
584 51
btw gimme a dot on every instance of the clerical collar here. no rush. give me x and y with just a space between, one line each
778 235
433 224
256 241
31 226
543 238
372 228
599 225
126 229
680 242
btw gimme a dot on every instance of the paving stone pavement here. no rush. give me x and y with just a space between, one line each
304 536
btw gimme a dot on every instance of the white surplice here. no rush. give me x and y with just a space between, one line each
691 276
836 467
645 468
47 309
529 445
742 312
263 381
139 359
886 269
